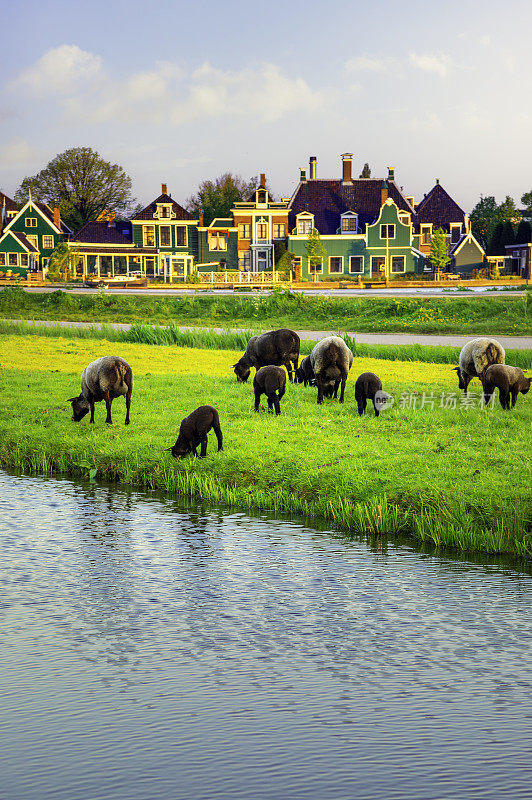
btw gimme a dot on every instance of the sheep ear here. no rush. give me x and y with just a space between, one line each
71 399
456 369
166 449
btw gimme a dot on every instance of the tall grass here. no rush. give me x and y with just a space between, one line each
237 340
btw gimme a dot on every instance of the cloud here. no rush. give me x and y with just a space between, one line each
439 64
61 69
18 152
367 64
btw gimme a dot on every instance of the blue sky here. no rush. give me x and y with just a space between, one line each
178 92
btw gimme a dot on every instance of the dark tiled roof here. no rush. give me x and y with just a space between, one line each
328 199
101 233
148 212
438 208
23 239
10 204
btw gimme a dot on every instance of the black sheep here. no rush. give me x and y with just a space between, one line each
193 431
279 347
509 380
366 387
270 381
304 373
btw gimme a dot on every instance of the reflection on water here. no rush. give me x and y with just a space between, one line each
153 651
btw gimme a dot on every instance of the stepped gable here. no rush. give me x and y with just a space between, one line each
102 233
147 213
438 208
329 199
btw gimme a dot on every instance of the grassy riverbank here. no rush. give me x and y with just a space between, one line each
478 315
456 477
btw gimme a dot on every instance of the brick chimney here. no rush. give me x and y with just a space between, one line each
347 160
164 188
384 192
200 218
57 218
302 174
111 220
262 180
313 162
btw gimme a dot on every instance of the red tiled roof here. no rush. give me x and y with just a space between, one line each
328 199
148 212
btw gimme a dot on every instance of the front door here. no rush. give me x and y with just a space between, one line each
377 266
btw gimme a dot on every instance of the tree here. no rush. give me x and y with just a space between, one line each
63 262
526 200
82 184
316 250
366 172
439 251
524 232
217 197
494 244
284 264
508 211
484 218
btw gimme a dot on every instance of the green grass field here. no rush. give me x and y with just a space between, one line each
457 477
477 315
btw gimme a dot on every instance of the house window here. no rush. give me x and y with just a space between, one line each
425 234
356 264
404 218
398 263
244 230
23 260
261 196
387 231
31 222
456 232
12 259
296 265
48 242
2 259
336 264
164 212
349 224
245 260
165 236
304 226
148 235
279 231
217 241
33 241
180 236
315 268
262 230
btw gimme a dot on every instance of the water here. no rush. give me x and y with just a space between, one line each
151 651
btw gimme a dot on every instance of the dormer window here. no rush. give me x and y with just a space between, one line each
305 223
456 232
262 196
164 211
426 233
349 223
404 218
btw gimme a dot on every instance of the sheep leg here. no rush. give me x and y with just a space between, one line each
467 380
514 397
108 401
361 405
377 412
288 365
203 449
503 398
277 404
218 431
91 404
342 389
336 387
319 381
270 403
257 399
281 392
128 403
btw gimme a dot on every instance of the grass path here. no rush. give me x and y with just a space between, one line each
457 477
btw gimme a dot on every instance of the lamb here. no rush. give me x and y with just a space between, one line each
193 431
270 381
369 386
331 359
279 347
104 379
509 381
304 373
475 358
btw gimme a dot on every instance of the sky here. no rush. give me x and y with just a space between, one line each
178 92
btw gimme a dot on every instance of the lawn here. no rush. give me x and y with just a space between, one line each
467 315
454 476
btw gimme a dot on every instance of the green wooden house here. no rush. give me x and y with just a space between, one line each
218 246
30 237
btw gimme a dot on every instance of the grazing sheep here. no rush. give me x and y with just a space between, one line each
331 360
508 380
366 387
104 379
475 357
304 373
279 347
270 381
193 431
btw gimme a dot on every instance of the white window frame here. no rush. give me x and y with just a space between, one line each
336 271
216 238
304 219
243 229
425 230
181 228
169 228
387 225
47 246
261 224
161 208
33 239
145 236
453 227
9 264
397 271
348 216
279 225
22 257
30 222
3 259
356 271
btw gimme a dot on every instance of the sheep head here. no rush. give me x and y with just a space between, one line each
80 407
242 371
461 384
180 448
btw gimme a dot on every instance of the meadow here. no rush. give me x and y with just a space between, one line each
468 315
455 477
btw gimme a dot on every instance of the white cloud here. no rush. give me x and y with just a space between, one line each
61 69
439 64
367 64
17 152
